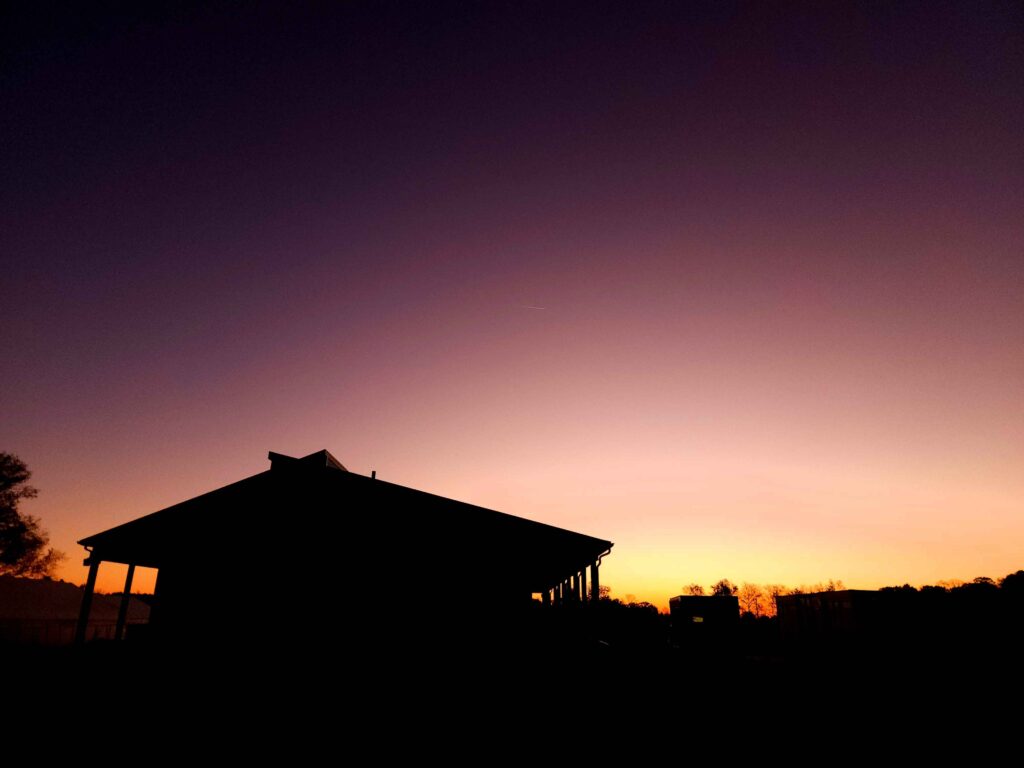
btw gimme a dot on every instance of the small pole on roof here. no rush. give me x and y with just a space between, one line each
373 475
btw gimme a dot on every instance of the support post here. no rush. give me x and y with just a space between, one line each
574 589
122 611
595 584
583 585
90 587
545 597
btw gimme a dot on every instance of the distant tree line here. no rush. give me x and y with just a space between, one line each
760 600
1011 583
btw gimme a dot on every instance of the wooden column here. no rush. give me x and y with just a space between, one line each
583 585
574 589
545 597
122 611
595 584
90 587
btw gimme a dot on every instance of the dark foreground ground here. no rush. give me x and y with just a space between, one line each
295 697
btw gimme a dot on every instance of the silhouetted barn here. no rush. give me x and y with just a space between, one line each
308 550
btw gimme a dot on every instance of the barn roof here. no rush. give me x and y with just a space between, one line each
315 494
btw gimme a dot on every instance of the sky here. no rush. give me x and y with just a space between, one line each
736 286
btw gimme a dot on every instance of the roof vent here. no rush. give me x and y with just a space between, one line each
318 459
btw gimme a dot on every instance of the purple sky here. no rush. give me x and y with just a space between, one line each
779 250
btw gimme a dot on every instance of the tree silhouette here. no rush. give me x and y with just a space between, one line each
723 588
693 589
773 592
751 598
1013 583
604 592
23 543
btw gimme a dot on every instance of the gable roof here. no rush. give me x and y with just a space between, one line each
273 514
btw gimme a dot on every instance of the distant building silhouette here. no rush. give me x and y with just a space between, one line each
309 551
704 621
837 616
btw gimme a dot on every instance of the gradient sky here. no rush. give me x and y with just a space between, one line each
739 287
